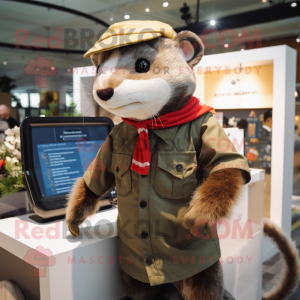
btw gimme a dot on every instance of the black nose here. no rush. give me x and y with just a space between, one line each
105 94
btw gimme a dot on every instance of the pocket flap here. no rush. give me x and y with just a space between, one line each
121 163
179 164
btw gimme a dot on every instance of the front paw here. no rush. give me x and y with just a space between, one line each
73 226
196 222
82 203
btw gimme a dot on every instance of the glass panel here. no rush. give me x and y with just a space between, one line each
24 99
69 98
256 125
296 189
35 100
243 97
34 112
22 114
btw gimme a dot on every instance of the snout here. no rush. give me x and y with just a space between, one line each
105 94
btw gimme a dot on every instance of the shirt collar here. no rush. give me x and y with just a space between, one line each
167 134
131 132
267 128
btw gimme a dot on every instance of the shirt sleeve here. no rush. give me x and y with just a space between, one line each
218 152
99 176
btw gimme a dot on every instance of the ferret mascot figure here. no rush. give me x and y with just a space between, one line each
176 172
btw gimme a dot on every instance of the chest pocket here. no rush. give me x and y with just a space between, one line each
176 174
121 168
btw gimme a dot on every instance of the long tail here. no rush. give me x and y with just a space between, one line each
291 270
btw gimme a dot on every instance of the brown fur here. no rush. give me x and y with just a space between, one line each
138 290
214 199
197 44
206 285
290 273
82 203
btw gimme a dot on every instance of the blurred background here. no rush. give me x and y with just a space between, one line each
26 27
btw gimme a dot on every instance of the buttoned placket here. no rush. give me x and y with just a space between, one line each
145 222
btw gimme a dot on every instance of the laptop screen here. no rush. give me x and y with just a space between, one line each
61 154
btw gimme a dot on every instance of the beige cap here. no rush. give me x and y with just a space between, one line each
130 32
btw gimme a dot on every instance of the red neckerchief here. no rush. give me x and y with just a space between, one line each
142 155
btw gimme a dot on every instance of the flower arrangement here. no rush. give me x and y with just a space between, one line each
11 180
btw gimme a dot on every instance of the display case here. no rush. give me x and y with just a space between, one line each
257 86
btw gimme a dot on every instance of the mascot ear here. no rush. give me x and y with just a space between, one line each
95 58
190 46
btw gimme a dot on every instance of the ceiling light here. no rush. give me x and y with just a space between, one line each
298 40
165 4
5 63
147 9
212 22
226 46
296 94
294 4
264 1
126 17
296 118
111 19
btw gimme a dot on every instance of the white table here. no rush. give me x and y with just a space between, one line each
242 256
84 266
79 272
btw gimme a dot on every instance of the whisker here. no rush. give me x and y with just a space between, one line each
139 92
152 112
86 98
83 85
155 115
72 89
77 101
75 91
85 113
149 112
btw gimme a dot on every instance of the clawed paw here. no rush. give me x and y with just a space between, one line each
73 227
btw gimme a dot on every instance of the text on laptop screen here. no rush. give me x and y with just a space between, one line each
62 154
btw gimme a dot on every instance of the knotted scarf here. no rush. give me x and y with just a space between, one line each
142 155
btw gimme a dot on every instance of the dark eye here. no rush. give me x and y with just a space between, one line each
142 65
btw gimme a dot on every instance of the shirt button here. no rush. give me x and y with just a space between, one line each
144 234
179 167
148 261
117 169
143 204
143 176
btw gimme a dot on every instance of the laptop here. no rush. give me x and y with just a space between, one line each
56 151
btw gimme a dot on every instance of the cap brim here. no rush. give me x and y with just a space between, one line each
118 41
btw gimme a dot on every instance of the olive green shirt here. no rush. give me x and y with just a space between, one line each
153 244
